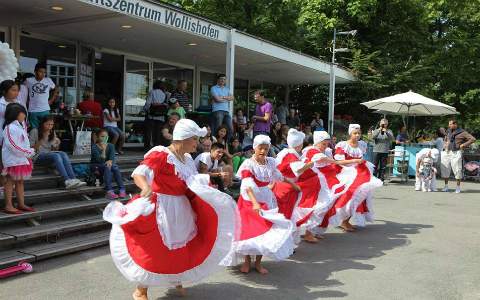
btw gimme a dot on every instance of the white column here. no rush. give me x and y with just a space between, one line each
196 88
331 99
248 99
286 98
230 63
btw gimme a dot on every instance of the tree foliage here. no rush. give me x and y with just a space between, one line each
431 47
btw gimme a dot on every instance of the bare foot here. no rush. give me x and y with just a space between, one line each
181 290
347 226
318 236
140 294
261 270
310 238
245 267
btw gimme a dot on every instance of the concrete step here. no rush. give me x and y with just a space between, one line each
54 230
49 210
44 177
45 250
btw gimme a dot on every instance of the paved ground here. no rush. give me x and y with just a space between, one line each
422 246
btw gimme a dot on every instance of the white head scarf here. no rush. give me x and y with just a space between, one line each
352 127
319 136
434 154
295 138
261 140
186 128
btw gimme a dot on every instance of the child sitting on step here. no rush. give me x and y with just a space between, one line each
103 160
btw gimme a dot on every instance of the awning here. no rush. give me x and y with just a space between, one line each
163 32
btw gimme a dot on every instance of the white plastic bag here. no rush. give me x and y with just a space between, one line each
83 142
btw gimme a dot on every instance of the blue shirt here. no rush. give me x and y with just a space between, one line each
221 92
402 137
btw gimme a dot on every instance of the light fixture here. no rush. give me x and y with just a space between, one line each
98 63
126 26
192 44
22 51
62 46
57 8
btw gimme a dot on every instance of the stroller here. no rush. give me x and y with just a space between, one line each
471 170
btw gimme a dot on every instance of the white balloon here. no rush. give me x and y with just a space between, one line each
5 46
10 51
13 70
16 65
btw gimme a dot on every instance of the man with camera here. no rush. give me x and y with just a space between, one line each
382 138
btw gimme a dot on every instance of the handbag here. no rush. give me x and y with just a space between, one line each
159 110
83 142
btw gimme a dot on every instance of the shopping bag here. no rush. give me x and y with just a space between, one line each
83 142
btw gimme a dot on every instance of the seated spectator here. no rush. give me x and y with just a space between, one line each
221 136
88 105
39 97
167 129
241 119
333 142
111 115
209 135
210 163
282 138
317 123
247 143
293 121
308 132
274 134
46 144
237 152
103 160
204 146
175 107
402 137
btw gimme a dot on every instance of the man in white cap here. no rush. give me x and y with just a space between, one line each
424 153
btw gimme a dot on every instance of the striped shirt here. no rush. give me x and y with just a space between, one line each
182 98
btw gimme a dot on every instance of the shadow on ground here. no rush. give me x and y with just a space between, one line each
313 264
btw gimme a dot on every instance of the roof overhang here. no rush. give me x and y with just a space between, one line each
163 32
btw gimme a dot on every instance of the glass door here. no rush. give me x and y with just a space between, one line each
136 87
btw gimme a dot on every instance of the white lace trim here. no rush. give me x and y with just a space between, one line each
281 155
356 152
264 173
183 171
146 172
248 183
295 166
228 228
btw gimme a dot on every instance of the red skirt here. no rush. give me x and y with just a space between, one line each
22 172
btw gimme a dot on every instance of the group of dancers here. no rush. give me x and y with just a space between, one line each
180 230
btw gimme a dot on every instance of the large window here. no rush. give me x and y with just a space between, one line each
60 60
171 75
207 80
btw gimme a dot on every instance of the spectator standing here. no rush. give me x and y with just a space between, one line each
247 143
293 121
263 112
457 139
167 129
103 160
23 90
153 124
317 123
382 137
175 107
282 112
221 95
88 105
438 141
443 131
111 115
46 144
180 94
39 91
240 119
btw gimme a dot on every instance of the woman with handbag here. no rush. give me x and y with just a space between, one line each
155 109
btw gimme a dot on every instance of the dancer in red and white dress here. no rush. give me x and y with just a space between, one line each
264 230
290 164
317 198
338 178
356 202
181 229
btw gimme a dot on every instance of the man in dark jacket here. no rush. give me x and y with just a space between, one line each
455 141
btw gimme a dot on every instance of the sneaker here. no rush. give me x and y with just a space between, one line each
2 194
110 195
70 184
445 189
424 190
429 190
457 190
122 193
120 152
116 152
418 189
80 183
433 190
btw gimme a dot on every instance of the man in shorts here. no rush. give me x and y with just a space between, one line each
455 141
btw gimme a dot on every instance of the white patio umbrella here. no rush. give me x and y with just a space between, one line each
410 103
